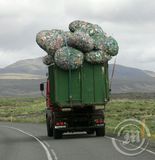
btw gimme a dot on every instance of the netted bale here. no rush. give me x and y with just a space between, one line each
97 57
111 46
68 58
99 40
50 40
98 30
85 27
67 49
77 24
80 41
48 60
42 37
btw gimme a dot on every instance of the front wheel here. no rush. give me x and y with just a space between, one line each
100 132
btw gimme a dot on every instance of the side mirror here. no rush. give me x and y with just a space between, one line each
42 87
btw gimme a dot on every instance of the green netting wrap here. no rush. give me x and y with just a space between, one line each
80 41
97 57
85 27
99 40
84 41
48 60
50 40
42 37
111 46
68 58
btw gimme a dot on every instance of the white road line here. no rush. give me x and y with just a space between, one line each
52 150
46 144
49 157
150 151
54 154
121 141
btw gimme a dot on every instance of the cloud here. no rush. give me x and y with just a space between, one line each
118 11
130 22
20 20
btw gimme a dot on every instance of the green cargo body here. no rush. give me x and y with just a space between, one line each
88 85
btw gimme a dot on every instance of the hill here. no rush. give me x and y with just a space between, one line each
128 79
23 77
28 66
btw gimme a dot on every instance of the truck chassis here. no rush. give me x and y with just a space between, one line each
88 119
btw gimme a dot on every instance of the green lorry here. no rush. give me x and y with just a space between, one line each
76 99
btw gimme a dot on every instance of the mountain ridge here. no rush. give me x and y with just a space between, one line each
28 66
23 78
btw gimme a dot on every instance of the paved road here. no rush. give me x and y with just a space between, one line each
29 142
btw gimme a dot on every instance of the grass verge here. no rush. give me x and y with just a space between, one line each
22 109
120 109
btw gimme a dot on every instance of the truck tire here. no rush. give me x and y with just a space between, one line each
57 134
49 128
90 132
100 132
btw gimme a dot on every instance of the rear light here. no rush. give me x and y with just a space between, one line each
99 121
57 124
60 124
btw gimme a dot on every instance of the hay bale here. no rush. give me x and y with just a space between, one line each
111 46
48 60
97 57
66 49
51 40
68 58
99 40
85 27
80 41
42 37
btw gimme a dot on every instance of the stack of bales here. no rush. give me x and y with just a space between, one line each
84 41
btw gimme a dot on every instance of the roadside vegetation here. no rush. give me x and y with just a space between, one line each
22 110
141 109
33 110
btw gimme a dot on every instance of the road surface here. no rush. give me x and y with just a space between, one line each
20 141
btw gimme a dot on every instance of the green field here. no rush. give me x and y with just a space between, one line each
119 110
22 109
33 110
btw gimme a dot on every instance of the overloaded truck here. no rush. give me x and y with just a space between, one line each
77 87
75 99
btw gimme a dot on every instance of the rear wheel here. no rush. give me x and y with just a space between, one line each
49 128
100 131
90 132
57 134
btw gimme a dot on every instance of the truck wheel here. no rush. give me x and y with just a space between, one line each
90 132
57 134
100 131
49 128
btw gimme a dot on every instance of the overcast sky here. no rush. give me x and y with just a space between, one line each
130 22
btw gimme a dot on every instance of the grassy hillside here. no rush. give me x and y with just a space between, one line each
33 110
27 66
20 88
